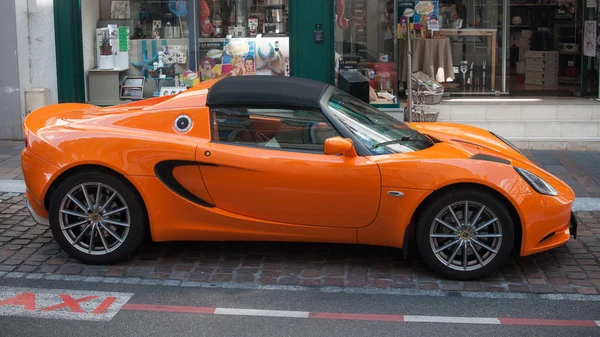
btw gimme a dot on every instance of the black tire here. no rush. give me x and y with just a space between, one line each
427 223
136 215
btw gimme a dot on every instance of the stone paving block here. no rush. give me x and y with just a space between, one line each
29 248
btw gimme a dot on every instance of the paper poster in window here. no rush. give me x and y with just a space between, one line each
120 10
211 56
427 9
238 57
589 39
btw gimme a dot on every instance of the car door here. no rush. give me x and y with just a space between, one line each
269 164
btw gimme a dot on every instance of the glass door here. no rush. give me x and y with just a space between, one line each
474 31
365 50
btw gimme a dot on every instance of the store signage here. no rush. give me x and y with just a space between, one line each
349 63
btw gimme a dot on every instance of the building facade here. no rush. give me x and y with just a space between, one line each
106 52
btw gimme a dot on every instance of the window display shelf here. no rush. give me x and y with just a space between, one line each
491 35
240 56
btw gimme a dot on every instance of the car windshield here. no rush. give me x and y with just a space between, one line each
378 131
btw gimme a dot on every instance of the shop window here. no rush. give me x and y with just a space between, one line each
472 61
241 37
295 130
365 43
136 49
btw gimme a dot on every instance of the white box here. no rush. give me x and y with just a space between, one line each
541 62
549 68
547 55
542 76
526 34
522 53
36 98
541 83
525 44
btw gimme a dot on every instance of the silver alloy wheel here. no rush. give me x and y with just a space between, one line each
465 236
94 218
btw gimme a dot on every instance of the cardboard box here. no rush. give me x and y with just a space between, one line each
526 34
541 62
547 84
521 68
542 76
522 53
548 55
524 44
548 68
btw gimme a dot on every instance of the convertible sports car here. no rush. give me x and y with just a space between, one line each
285 159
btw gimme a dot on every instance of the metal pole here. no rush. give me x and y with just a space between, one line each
409 71
505 25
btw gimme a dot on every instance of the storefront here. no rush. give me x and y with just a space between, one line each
109 52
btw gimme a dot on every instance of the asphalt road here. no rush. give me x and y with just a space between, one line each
145 323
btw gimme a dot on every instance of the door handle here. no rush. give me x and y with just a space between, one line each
395 193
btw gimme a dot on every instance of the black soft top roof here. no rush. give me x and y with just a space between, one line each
266 91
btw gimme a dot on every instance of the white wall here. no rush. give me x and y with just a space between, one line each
90 13
42 53
9 80
22 49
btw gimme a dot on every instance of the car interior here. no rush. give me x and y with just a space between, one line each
273 128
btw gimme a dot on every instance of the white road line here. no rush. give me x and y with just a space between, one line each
586 205
265 313
61 303
597 323
12 186
448 319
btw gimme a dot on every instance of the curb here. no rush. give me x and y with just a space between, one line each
329 289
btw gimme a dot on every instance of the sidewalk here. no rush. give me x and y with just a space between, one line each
10 160
579 169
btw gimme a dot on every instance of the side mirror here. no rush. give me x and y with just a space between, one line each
339 145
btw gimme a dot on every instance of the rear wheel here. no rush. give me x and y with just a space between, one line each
97 218
465 234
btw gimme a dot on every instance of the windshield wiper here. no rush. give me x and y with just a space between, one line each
404 139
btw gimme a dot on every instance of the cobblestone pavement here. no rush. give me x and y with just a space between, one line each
10 160
581 170
26 247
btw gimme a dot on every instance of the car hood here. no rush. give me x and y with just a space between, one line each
462 154
468 138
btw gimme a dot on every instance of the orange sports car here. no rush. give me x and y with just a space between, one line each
285 159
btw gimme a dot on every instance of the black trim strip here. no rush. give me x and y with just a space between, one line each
361 149
511 145
164 172
494 159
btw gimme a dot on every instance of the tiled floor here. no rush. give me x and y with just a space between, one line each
581 170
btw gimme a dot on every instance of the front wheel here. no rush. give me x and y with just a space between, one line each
465 234
97 218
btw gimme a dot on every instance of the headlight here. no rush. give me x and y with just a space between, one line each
536 182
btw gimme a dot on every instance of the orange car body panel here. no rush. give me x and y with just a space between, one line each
292 187
273 195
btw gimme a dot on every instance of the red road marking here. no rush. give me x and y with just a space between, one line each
104 305
554 322
351 316
169 308
72 304
357 317
27 300
68 301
